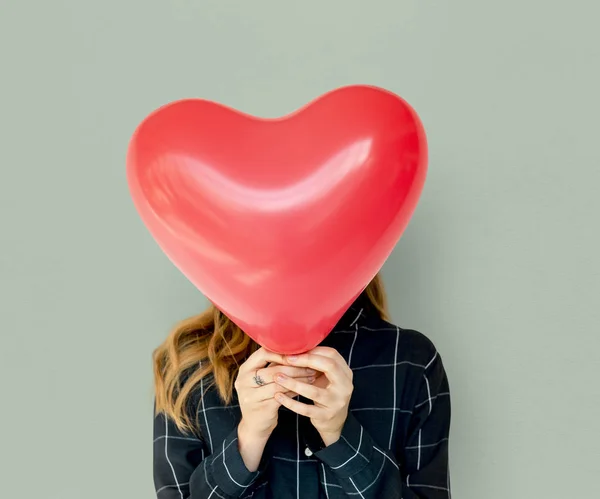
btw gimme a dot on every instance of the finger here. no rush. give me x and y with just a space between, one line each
334 355
268 374
332 369
260 359
287 394
263 377
310 411
317 395
266 392
307 381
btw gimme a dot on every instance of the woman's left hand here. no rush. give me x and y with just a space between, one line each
330 392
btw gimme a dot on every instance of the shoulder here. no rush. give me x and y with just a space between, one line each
407 345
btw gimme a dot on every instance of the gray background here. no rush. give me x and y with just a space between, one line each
499 266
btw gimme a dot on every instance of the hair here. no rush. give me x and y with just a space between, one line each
210 347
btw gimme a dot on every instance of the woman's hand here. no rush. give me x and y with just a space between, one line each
330 393
256 389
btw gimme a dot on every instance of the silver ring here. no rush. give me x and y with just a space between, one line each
258 380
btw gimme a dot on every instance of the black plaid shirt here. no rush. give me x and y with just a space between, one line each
394 443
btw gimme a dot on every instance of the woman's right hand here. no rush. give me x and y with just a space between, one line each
256 390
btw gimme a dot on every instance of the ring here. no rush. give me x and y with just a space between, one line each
258 380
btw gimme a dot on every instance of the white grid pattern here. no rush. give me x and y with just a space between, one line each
394 382
297 457
177 484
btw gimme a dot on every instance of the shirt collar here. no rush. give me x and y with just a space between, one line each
355 314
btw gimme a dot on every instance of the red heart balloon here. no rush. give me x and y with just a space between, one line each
282 222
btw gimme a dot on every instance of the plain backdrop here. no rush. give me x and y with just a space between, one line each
499 267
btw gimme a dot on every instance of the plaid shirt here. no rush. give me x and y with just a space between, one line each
394 443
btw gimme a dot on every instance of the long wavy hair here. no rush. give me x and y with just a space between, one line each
210 347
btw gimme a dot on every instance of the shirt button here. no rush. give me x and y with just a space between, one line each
308 452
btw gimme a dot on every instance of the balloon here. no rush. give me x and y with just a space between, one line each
283 222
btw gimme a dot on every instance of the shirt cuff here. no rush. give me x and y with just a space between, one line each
227 468
351 453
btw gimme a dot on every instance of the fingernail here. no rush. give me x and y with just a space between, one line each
311 380
280 377
311 371
292 358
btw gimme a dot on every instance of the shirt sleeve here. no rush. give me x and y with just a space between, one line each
366 470
184 470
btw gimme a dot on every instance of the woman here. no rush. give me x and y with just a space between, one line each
366 414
